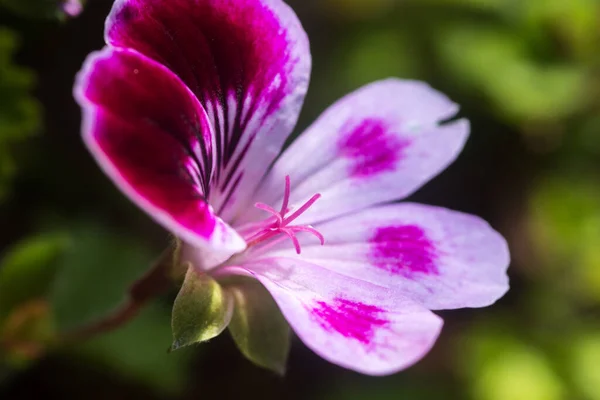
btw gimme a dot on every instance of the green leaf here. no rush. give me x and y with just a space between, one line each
27 270
565 226
573 23
202 310
497 63
519 373
377 55
95 275
501 365
19 111
257 326
584 363
138 351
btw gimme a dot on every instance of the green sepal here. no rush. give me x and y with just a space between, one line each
257 326
202 310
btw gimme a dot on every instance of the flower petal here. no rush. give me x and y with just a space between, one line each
352 323
440 258
378 144
247 61
152 137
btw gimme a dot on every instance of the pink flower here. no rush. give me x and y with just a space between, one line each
187 110
72 7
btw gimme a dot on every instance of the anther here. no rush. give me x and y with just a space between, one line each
281 223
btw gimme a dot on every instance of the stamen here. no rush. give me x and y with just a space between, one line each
252 227
271 210
286 195
301 210
270 229
310 229
293 237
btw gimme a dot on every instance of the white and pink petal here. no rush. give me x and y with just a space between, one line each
376 145
247 61
440 258
351 323
153 139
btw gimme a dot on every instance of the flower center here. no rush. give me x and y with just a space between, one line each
279 222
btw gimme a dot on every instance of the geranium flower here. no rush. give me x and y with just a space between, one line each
187 110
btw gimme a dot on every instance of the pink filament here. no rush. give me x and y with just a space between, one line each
281 223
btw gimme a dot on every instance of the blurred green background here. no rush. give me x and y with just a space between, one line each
527 74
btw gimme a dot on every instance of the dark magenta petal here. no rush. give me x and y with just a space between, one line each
152 137
247 61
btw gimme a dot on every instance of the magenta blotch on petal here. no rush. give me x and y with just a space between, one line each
371 147
404 250
353 320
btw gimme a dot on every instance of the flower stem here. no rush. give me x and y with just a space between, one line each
157 281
